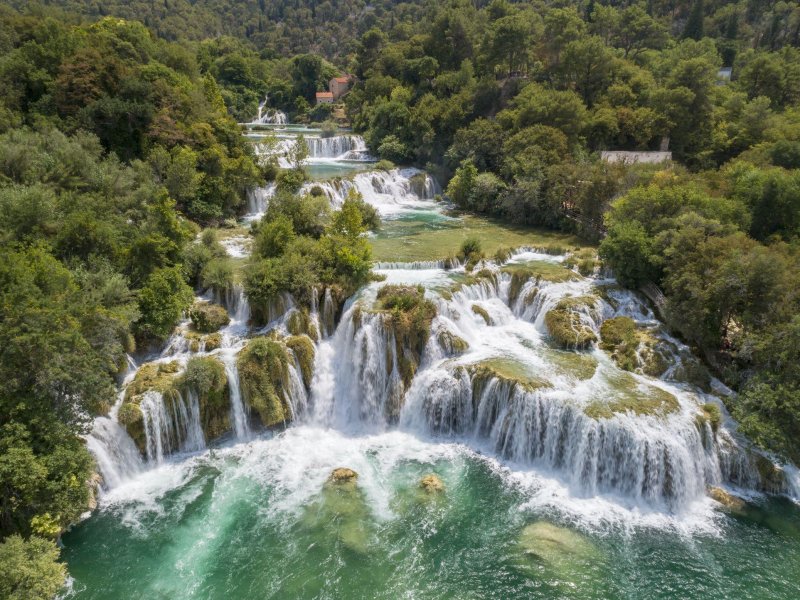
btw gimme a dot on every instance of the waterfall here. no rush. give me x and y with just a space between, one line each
239 417
171 425
267 116
340 147
538 412
114 452
388 191
257 200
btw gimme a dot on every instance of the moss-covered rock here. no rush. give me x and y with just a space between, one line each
343 475
151 377
301 323
482 312
264 378
710 414
578 365
632 396
565 323
408 315
208 318
772 478
303 349
212 342
619 337
205 376
504 369
451 343
729 501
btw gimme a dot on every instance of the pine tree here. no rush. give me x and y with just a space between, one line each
694 26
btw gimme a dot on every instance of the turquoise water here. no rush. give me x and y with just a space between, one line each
258 521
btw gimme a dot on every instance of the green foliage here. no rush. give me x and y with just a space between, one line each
162 300
207 317
264 375
29 569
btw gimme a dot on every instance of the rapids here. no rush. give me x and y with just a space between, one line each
551 489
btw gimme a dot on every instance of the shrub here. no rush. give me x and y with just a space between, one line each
208 318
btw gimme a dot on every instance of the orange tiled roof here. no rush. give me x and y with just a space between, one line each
324 94
341 79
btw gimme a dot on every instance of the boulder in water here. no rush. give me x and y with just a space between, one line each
729 501
431 484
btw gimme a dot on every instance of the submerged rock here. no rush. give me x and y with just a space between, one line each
341 515
431 484
507 370
555 546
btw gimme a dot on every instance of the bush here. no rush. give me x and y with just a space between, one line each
29 569
208 318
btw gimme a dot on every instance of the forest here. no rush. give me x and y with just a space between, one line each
119 142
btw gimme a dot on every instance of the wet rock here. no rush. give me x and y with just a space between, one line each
728 500
343 475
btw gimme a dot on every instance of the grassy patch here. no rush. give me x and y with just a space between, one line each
411 240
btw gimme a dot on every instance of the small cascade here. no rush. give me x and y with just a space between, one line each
269 116
512 393
158 427
339 147
257 200
388 191
239 416
115 454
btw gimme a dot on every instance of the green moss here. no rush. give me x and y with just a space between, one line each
451 343
631 396
155 377
564 323
711 414
506 369
264 375
479 310
303 349
408 316
208 318
578 365
205 376
619 337
212 342
300 323
584 259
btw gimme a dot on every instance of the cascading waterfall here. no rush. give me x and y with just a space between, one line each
239 416
267 116
658 462
388 191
